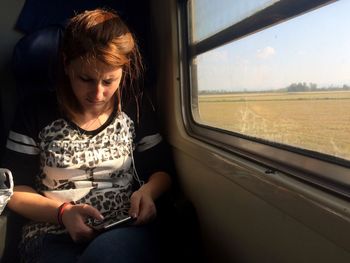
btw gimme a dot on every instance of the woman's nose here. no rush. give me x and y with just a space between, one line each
99 90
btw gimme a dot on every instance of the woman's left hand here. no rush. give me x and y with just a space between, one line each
142 207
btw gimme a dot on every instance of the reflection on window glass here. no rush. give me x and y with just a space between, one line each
288 84
210 17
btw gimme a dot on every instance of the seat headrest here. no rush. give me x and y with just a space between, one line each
35 59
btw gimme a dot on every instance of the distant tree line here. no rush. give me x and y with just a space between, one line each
294 87
303 86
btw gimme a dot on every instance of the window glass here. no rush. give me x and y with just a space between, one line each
210 17
288 84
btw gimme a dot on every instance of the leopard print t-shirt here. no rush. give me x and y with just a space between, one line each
90 167
56 158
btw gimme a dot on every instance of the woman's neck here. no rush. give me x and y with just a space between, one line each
90 121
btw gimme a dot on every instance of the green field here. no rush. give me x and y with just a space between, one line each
318 121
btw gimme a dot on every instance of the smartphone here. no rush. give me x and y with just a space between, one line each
105 225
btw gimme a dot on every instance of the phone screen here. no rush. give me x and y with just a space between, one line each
105 225
123 221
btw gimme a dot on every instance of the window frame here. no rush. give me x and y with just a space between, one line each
329 173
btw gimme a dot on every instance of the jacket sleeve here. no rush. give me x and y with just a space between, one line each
152 153
21 154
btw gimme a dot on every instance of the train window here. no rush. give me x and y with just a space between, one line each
272 79
220 15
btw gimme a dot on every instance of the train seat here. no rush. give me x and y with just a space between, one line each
35 58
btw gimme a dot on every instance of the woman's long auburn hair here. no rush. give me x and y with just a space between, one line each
99 35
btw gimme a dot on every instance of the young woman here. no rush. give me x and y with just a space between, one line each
81 141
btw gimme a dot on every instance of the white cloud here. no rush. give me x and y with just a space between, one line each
266 52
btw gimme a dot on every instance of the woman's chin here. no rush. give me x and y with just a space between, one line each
95 106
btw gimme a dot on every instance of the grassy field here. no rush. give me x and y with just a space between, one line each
318 121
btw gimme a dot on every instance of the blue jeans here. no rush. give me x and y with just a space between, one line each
119 245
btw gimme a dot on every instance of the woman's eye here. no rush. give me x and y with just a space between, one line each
85 79
107 82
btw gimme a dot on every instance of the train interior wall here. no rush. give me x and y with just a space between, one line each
244 214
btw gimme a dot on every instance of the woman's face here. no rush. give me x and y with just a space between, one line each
93 83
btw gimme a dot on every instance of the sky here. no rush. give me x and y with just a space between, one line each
313 47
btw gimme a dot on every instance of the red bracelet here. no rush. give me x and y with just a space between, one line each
60 212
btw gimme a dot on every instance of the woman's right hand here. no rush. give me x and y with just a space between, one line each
74 218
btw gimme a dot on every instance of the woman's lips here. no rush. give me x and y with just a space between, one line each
96 102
